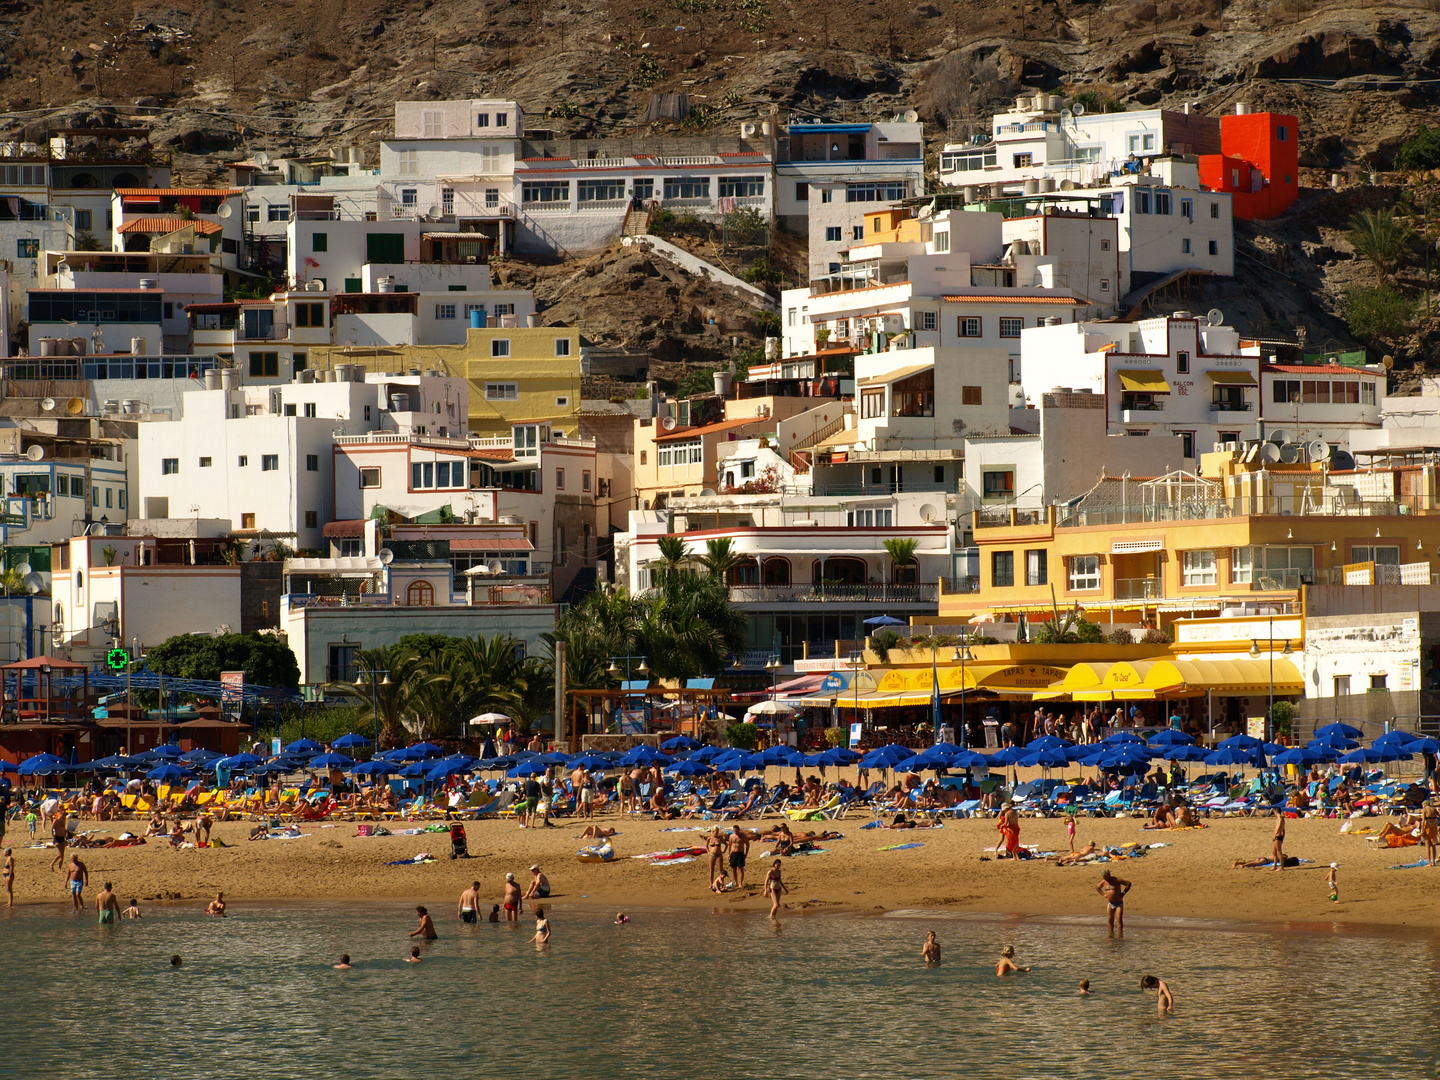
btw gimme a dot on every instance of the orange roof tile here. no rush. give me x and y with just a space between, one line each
988 299
177 191
1317 369
169 225
712 429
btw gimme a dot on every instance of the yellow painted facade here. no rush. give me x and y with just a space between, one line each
517 375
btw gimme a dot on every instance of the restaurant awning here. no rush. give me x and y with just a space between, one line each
1231 378
1245 675
1143 381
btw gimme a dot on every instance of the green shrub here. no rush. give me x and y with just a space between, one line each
1382 312
1420 151
742 736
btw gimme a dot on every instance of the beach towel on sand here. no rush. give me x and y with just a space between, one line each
1409 865
423 857
901 847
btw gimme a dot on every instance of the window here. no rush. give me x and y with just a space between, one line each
1037 567
1381 554
1023 161
1342 685
609 190
1271 567
942 242
1162 202
311 409
434 123
1187 208
1214 209
872 404
825 195
1104 245
585 480
312 462
858 232
482 119
247 521
205 462
409 162
420 594
562 346
492 197
1230 436
502 391
312 519
264 365
1198 568
802 191
369 478
971 395
687 187
790 317
442 474
562 401
1315 391
121 503
643 456
1285 391
939 474
169 466
997 483
742 187
312 315
528 438
444 311
967 325
252 213
367 412
1002 569
1010 328
95 496
27 249
269 462
82 219
1377 682
559 479
502 119
1084 573
1142 201
927 320
883 191
545 191
1104 284
1367 393
1185 245
500 347
242 461
277 212
1282 133
504 309
832 234
1187 443
341 666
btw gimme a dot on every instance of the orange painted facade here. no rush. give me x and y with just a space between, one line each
1258 164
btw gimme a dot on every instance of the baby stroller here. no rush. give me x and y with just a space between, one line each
457 842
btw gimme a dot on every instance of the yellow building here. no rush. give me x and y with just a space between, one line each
1150 550
522 378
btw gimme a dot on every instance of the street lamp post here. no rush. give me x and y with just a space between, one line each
772 665
962 653
856 664
360 680
614 669
1255 651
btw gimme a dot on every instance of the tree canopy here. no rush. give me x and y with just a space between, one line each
265 659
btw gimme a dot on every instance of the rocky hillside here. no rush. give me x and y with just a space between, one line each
221 78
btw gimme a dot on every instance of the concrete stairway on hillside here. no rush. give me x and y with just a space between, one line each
637 222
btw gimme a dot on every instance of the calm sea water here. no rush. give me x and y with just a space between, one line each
685 995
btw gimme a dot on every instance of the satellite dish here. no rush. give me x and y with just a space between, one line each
35 453
706 493
1279 437
495 567
911 116
47 404
262 158
1342 461
24 569
225 210
1215 317
1252 451
1289 453
34 583
1270 452
1318 449
1078 109
668 423
1066 114
75 406
386 556
928 513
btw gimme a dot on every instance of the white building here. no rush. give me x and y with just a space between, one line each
261 455
46 500
1341 405
215 214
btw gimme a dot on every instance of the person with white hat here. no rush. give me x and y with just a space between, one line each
1008 825
539 885
513 901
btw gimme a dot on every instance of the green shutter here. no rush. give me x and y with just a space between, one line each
385 247
353 284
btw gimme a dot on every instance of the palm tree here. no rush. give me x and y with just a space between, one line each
902 553
672 556
720 557
390 690
1382 240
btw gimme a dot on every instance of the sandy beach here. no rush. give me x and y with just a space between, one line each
1190 877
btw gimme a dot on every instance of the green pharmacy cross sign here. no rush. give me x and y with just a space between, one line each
117 659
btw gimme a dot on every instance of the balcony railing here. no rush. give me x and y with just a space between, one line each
968 584
923 593
1142 406
1232 406
1139 588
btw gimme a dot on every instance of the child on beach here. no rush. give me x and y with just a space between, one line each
1070 830
30 820
1164 1001
1006 964
133 911
1332 883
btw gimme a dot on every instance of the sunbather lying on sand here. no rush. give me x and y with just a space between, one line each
596 832
1075 856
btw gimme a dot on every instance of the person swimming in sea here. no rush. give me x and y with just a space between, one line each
1084 986
1164 1000
133 911
1006 964
344 964
930 952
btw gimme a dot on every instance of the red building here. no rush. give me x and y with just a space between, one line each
1258 163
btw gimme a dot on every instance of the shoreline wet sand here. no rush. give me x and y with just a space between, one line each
951 872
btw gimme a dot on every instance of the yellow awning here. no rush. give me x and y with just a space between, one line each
1247 675
1085 676
1143 381
952 677
1123 677
1231 378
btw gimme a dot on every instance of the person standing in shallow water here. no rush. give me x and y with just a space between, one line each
931 951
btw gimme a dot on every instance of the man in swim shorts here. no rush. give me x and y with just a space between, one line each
539 885
77 877
470 903
512 899
738 846
8 874
1113 889
106 906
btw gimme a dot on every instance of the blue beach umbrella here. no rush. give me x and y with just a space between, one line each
239 761
781 755
1117 737
445 767
1422 746
691 768
168 772
589 761
424 750
885 620
1182 752
417 770
39 765
1364 755
707 753
304 746
277 767
681 742
525 768
644 755
1171 737
1241 742
350 741
8 766
168 751
1007 756
200 756
1339 729
932 758
555 757
374 768
1237 755
1299 755
1045 759
1335 741
1125 757
331 760
1046 742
